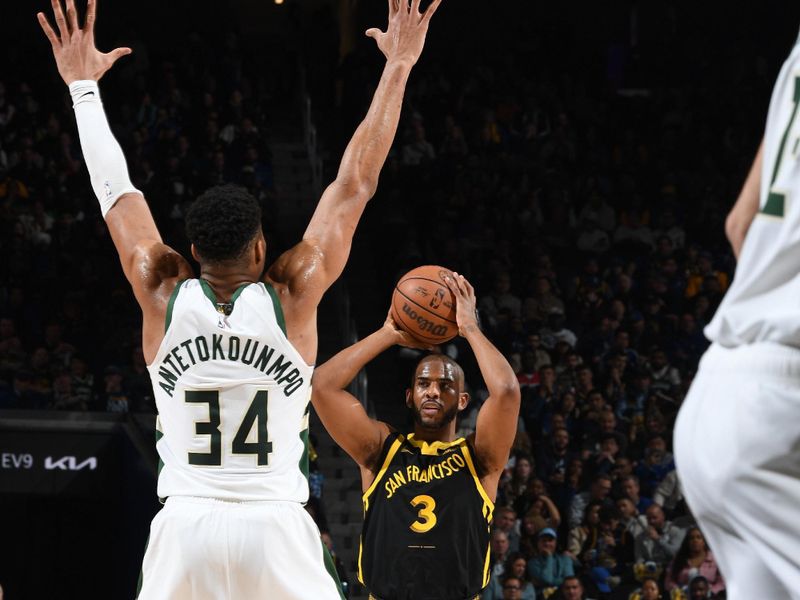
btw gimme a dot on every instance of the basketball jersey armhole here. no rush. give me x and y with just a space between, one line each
390 447
469 456
171 304
276 303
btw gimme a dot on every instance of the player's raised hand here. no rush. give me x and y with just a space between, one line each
404 38
73 46
466 311
402 337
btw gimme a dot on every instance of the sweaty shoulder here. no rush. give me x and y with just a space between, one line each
157 270
299 270
298 278
158 267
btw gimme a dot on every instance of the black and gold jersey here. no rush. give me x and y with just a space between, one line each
426 523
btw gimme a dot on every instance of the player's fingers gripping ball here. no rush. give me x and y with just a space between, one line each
424 306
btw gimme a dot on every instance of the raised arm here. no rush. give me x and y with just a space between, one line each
151 267
340 412
497 419
552 510
744 211
313 265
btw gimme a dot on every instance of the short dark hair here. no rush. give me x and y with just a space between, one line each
222 222
459 372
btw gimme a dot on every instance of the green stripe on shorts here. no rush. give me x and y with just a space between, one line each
331 568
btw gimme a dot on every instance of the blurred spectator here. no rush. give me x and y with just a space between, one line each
500 297
499 551
64 397
115 397
572 589
554 457
668 494
648 591
582 539
541 302
630 490
505 520
655 467
660 541
663 376
82 382
548 568
418 150
692 559
538 400
598 492
699 589
515 569
512 588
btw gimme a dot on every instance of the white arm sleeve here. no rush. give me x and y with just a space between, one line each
101 151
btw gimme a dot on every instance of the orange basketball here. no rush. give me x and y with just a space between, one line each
424 306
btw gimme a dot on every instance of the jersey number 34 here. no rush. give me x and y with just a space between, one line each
256 414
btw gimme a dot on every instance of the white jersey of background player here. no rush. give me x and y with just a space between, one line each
232 371
737 440
763 302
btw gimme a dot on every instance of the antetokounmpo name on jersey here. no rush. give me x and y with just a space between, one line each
218 347
448 467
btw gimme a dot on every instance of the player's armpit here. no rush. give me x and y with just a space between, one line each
340 412
496 427
349 424
149 265
746 207
130 223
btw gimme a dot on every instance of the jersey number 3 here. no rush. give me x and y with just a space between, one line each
426 518
256 414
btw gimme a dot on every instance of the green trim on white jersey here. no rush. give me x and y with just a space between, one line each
171 304
276 302
232 395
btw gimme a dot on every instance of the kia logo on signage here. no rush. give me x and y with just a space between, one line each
69 463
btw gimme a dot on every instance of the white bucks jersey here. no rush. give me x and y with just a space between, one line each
763 302
232 396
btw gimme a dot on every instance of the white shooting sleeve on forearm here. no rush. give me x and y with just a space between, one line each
101 151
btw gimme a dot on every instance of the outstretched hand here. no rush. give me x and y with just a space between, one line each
73 48
402 337
466 311
404 37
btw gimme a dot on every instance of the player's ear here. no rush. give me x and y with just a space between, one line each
409 398
260 249
195 254
463 400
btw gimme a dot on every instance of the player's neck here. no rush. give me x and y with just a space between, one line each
443 434
225 281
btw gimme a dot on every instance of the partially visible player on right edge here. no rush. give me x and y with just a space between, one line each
737 443
428 497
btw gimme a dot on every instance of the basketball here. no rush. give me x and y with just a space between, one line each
424 306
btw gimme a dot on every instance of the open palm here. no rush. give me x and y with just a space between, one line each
404 37
73 47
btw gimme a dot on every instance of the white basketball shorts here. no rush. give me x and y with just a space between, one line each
207 549
737 450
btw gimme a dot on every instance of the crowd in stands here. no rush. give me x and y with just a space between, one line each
69 325
589 217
